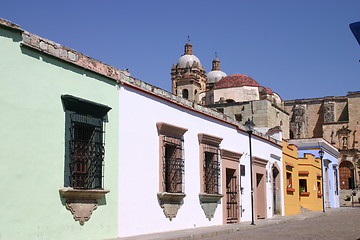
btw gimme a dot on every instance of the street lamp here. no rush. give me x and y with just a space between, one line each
352 184
321 154
249 126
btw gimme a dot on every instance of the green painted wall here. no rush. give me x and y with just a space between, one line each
32 144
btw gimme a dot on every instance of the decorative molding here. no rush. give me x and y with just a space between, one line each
209 139
81 209
209 203
171 130
82 203
260 161
230 155
170 203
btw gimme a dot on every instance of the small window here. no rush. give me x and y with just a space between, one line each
288 180
238 117
302 186
242 170
185 93
319 189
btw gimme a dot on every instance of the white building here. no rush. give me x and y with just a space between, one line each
183 166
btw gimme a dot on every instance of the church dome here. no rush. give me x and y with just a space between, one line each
188 57
237 80
185 59
215 76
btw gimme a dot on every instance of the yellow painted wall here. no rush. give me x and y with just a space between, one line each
291 198
313 198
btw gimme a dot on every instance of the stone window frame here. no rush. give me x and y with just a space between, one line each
81 202
209 144
170 202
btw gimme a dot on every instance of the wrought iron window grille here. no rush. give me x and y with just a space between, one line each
211 169
86 151
173 165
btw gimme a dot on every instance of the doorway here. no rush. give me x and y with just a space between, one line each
232 196
276 190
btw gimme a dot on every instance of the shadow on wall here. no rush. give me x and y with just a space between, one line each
65 65
15 36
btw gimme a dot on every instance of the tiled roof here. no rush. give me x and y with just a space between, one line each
236 80
268 90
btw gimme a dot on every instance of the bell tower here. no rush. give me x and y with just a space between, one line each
188 76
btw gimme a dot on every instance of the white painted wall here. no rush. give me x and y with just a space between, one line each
138 209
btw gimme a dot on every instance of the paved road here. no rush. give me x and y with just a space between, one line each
343 224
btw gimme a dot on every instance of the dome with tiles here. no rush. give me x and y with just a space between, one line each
236 80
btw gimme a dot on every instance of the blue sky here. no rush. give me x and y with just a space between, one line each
300 49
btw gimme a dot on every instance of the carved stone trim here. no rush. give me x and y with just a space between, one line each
230 155
170 203
260 161
171 130
209 203
81 203
81 209
71 193
209 139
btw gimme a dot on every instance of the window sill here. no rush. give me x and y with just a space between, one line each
209 198
289 189
81 203
91 194
304 194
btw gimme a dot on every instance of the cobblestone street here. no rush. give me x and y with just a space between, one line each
333 225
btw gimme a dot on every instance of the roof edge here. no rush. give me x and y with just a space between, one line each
9 24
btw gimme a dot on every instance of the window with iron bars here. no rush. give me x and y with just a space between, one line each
211 169
84 143
87 151
173 165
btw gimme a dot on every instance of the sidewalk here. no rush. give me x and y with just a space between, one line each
202 232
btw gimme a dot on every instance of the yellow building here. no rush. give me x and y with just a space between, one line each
291 180
310 182
302 178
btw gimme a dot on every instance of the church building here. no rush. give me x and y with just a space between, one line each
236 95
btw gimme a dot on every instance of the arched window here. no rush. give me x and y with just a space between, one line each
185 93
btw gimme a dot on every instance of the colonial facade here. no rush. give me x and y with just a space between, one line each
336 119
79 154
